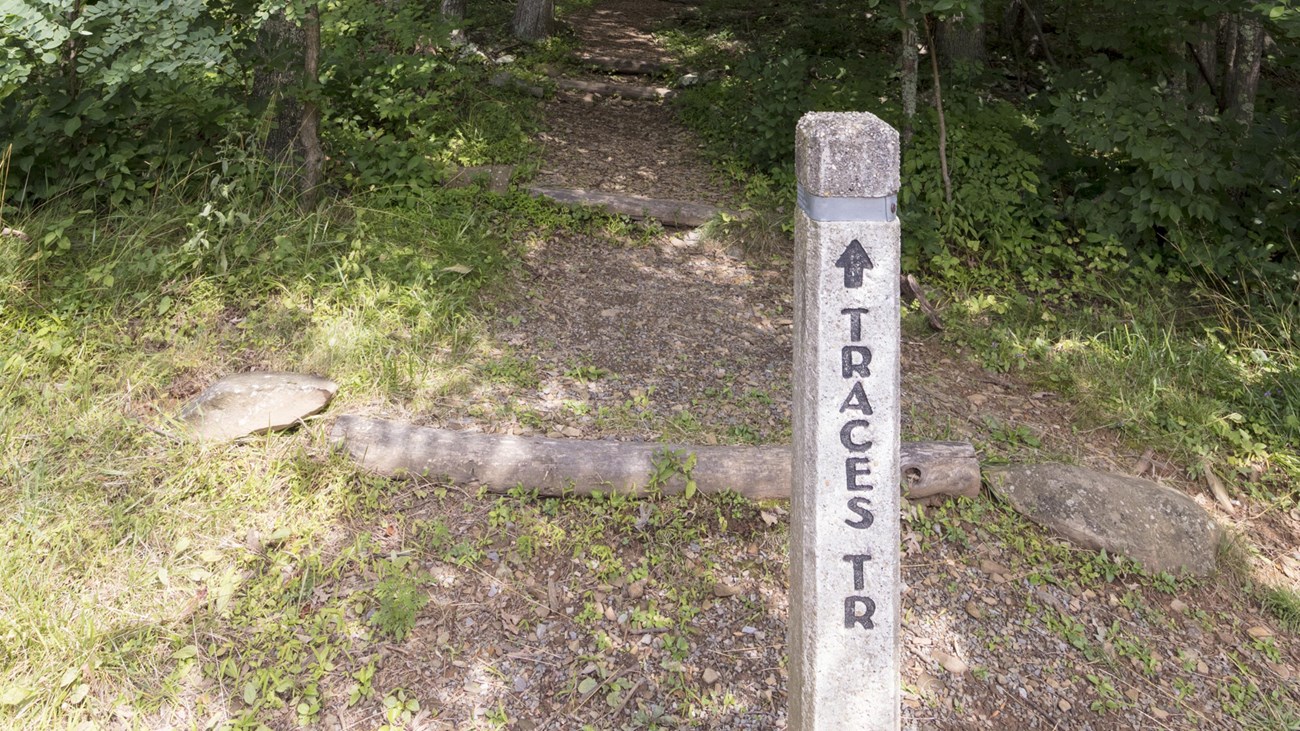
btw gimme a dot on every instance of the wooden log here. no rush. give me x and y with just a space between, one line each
556 467
627 91
668 212
613 64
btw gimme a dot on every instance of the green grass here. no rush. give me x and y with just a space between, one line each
1193 380
115 535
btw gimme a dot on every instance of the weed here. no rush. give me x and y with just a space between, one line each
1284 605
1108 698
399 597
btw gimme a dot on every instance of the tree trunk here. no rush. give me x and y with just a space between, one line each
558 467
1242 80
309 130
1177 78
909 71
532 20
938 107
453 10
1204 74
1227 42
961 41
277 73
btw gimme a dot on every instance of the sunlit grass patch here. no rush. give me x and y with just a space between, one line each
116 537
1182 379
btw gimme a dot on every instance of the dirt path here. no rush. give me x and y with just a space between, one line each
666 621
623 146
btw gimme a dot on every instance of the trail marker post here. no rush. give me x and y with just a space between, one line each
845 582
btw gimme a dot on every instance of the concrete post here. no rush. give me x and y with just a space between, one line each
845 582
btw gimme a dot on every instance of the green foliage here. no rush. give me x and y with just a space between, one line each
1179 192
402 104
1002 220
104 98
107 100
761 102
399 598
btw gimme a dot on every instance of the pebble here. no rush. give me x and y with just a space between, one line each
711 676
1064 705
723 590
951 663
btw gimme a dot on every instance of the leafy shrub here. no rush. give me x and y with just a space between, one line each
752 113
103 99
401 105
1181 192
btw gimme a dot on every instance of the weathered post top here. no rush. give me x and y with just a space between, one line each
845 581
846 155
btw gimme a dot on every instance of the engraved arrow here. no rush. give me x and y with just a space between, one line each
853 261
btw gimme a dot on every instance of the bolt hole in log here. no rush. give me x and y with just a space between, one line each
558 467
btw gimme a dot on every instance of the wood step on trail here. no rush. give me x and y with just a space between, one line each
627 91
681 214
616 65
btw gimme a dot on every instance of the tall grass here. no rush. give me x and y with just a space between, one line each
1195 372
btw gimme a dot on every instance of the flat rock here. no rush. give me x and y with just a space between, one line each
1160 528
254 403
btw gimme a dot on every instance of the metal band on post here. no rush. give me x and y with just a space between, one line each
844 555
818 208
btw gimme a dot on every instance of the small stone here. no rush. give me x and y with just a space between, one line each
1064 705
723 590
928 684
951 663
254 403
1159 527
974 610
993 568
711 676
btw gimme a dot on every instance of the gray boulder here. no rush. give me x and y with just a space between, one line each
253 403
1160 528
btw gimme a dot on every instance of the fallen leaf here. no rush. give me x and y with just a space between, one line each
69 676
13 695
186 652
458 269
